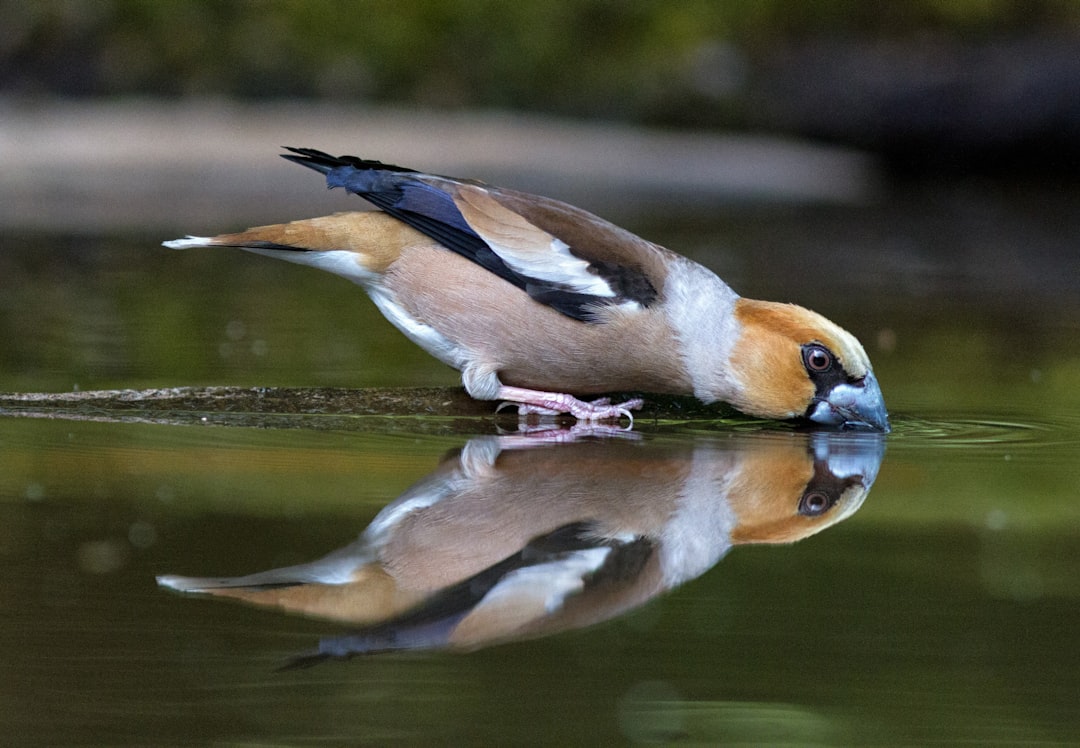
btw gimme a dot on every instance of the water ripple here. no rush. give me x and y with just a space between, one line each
971 430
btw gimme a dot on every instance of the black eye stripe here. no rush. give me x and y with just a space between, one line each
824 377
823 490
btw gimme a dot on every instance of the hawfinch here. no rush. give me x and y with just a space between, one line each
533 299
513 538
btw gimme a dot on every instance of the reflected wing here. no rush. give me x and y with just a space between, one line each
501 601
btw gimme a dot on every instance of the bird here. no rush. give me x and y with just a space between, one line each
513 537
539 303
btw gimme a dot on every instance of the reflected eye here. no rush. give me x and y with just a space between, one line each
814 503
817 358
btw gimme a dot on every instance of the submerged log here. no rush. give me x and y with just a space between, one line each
431 409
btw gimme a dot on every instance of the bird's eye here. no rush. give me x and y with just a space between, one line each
817 358
814 503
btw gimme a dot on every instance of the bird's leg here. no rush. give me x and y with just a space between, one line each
541 434
553 403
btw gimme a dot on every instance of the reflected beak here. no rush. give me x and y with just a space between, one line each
856 407
849 455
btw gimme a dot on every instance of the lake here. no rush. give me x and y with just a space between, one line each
939 604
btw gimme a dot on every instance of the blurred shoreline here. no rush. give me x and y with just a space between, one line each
133 165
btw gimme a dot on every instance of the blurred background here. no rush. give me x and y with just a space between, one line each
952 85
921 154
909 169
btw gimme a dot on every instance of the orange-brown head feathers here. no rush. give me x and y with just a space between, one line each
792 362
786 493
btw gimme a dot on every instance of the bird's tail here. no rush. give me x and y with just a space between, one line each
359 245
315 234
337 588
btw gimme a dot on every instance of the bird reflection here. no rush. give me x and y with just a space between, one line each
515 537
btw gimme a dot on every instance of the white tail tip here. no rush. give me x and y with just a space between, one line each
194 584
188 242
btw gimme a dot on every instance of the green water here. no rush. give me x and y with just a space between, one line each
944 609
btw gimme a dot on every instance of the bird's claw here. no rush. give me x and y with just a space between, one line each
553 404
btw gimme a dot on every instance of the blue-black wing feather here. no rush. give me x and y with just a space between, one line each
432 212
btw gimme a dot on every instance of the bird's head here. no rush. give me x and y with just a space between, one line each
793 363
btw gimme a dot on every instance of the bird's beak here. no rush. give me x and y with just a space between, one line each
858 407
847 454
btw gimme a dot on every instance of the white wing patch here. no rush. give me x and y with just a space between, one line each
544 587
525 248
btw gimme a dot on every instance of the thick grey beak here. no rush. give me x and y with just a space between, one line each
858 407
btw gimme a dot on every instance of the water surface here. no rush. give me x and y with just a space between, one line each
943 610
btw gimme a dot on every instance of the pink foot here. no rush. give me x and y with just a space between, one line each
529 434
553 403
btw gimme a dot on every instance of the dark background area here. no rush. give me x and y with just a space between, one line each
984 86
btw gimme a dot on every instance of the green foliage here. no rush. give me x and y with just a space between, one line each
583 56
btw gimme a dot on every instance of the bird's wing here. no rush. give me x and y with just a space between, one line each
501 602
561 256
